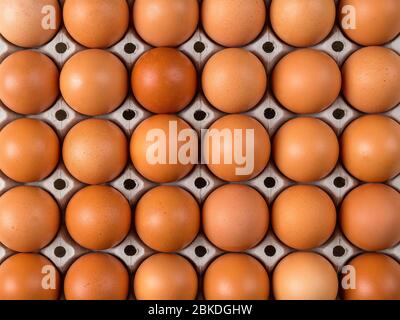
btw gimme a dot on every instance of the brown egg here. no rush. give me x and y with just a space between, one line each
29 276
165 23
302 23
94 82
237 148
306 149
370 217
306 81
233 23
165 276
371 148
371 79
97 276
376 22
29 150
304 276
98 217
96 23
28 82
236 276
234 80
235 217
29 219
303 217
95 151
167 218
164 80
29 23
164 148
377 277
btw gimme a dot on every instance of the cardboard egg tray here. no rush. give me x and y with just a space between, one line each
200 114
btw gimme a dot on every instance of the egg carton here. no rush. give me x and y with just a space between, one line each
200 182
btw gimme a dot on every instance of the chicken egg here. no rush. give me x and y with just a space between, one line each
234 80
370 148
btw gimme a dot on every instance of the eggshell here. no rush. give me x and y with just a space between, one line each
95 151
165 276
371 79
28 82
29 150
167 218
370 217
305 149
22 21
94 82
143 153
303 217
22 278
304 276
96 23
377 277
233 23
98 217
164 80
370 148
234 80
221 153
165 23
306 81
235 276
96 276
376 21
235 217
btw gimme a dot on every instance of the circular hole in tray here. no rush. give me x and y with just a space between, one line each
269 182
199 47
200 251
60 252
339 182
129 48
129 114
61 47
269 113
338 46
269 251
60 184
200 183
338 114
268 47
200 115
61 115
338 251
129 184
130 250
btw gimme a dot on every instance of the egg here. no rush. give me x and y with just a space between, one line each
28 82
303 217
94 82
165 276
29 23
167 218
96 23
96 276
236 148
233 23
377 277
95 151
305 149
29 150
306 81
370 148
165 23
370 22
98 217
371 79
164 80
29 276
304 276
164 148
235 217
369 217
236 276
234 80
29 219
